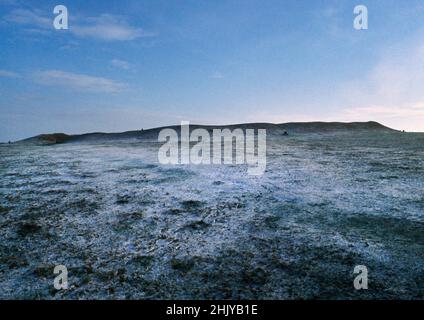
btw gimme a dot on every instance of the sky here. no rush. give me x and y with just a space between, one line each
126 65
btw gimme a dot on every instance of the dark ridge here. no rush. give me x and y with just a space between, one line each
152 134
333 126
52 138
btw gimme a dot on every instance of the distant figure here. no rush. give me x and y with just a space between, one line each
285 133
142 130
403 130
10 142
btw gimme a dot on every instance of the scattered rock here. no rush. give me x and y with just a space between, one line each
197 225
191 204
183 265
27 228
122 199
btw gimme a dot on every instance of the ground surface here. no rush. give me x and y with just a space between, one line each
127 227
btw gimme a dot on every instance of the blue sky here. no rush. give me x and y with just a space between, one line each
126 65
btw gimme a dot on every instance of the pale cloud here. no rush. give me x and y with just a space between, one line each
8 74
217 75
333 25
36 18
121 64
406 117
8 2
71 45
109 28
329 12
78 82
416 110
399 78
106 27
392 92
